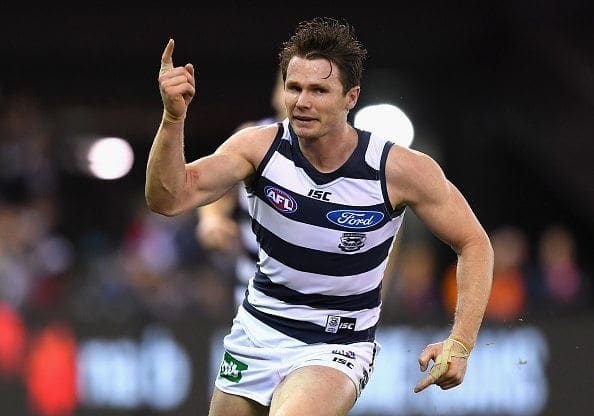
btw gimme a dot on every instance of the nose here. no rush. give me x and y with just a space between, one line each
303 100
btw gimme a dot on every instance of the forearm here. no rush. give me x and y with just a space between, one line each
165 175
474 277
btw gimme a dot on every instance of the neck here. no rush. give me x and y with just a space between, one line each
328 153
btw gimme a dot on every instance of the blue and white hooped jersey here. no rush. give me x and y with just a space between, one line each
324 241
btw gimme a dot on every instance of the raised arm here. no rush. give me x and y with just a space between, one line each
172 185
416 180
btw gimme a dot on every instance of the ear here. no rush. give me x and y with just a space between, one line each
352 96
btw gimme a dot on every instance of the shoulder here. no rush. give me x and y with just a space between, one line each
406 162
412 176
253 123
251 142
256 135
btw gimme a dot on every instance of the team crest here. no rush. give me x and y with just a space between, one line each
352 241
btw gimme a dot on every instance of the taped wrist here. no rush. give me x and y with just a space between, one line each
445 357
460 343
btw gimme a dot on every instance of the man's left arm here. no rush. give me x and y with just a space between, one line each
457 226
440 205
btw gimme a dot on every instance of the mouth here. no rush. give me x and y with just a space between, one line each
304 119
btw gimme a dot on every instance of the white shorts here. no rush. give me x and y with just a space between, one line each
257 358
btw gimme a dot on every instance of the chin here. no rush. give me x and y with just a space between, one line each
305 130
305 133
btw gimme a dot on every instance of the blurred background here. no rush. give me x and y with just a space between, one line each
109 309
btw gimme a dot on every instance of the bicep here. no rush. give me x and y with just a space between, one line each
212 176
234 161
419 182
449 216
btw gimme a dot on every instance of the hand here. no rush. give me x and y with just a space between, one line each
176 84
449 368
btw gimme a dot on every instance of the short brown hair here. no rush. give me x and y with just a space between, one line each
327 38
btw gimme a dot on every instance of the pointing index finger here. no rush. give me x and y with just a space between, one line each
167 57
423 384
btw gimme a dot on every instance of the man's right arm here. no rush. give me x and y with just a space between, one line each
166 163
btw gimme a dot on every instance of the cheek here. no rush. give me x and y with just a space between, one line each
333 107
290 99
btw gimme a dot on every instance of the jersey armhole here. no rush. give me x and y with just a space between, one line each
382 173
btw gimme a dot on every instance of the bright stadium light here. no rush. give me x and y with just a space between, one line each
110 158
388 121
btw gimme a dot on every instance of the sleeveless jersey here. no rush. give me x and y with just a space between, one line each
324 241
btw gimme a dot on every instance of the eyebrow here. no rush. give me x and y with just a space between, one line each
308 85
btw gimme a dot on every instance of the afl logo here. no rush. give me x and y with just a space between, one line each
355 219
281 200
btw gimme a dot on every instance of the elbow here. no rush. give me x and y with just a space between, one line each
483 243
159 206
479 244
488 247
484 249
162 210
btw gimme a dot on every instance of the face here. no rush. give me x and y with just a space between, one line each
314 98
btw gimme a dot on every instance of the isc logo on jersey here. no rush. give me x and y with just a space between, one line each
355 219
281 200
340 324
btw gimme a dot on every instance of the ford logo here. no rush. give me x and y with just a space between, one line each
355 219
281 200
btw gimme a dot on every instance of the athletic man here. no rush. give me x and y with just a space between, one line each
326 201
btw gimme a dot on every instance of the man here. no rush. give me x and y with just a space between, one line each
326 201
